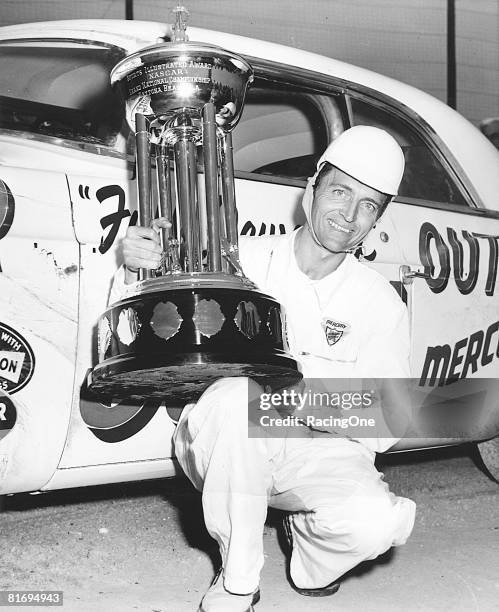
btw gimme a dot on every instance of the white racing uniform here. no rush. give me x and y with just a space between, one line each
343 512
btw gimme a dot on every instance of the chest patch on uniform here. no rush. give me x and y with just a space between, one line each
334 330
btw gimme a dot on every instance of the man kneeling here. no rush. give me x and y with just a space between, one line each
341 511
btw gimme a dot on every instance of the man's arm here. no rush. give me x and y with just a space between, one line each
384 359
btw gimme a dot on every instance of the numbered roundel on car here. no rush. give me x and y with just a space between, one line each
17 360
7 207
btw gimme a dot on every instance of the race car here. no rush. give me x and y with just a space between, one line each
68 194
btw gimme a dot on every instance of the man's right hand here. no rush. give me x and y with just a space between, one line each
142 248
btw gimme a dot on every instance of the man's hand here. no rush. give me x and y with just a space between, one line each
142 248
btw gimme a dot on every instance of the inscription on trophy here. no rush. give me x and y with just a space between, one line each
165 77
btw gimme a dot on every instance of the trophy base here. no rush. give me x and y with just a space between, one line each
185 380
173 343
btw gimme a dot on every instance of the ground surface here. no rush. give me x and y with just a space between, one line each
144 547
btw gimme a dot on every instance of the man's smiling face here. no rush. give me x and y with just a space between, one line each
344 210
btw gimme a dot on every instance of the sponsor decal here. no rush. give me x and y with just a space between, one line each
445 364
17 361
7 208
334 330
8 414
459 256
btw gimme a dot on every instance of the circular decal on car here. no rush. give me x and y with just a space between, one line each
8 414
7 206
17 361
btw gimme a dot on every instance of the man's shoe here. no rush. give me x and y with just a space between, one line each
329 589
218 599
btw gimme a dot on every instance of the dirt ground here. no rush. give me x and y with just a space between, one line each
143 546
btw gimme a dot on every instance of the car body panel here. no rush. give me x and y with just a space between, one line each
38 297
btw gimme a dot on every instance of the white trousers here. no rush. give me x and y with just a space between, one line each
343 512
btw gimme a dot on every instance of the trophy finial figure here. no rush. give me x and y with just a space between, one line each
180 25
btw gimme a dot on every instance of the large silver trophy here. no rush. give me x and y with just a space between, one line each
197 318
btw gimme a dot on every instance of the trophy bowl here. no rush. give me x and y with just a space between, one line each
163 78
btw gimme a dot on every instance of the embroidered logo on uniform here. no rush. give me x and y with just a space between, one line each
334 330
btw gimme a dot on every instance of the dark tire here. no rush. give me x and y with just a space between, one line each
489 453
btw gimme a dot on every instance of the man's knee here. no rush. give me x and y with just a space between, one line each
367 531
224 404
372 537
228 395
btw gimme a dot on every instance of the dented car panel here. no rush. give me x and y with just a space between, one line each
68 195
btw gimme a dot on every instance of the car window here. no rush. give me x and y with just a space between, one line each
61 90
425 177
283 131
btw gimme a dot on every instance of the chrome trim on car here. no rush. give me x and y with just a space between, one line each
269 178
465 210
69 39
77 145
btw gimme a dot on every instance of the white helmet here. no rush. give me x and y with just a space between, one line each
369 155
